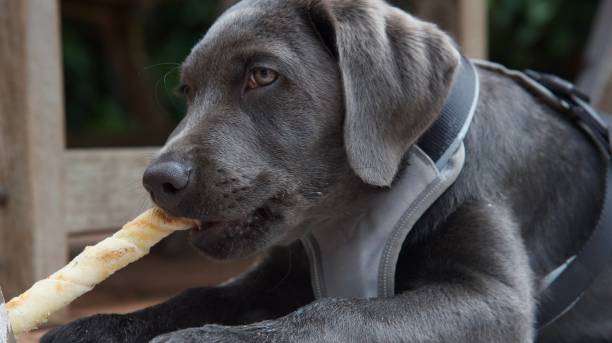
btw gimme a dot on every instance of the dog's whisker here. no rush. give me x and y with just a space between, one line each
159 65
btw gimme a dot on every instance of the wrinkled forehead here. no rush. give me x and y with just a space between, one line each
250 27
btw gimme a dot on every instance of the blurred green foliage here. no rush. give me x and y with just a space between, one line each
91 103
94 103
172 30
547 35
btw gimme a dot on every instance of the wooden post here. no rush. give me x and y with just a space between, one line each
473 28
596 78
32 235
465 20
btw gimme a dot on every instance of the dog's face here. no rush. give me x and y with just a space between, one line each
287 98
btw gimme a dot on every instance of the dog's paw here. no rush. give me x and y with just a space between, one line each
101 328
255 333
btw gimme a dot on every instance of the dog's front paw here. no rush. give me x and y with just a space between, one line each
101 328
268 331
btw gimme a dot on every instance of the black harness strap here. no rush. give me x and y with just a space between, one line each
565 291
567 288
446 134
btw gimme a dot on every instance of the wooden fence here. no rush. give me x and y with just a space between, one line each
48 192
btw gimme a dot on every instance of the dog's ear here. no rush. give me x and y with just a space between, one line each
396 71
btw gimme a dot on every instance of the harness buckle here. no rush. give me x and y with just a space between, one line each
577 105
557 85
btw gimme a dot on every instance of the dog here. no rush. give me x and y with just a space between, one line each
300 112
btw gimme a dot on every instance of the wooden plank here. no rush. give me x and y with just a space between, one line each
33 239
472 28
103 188
46 129
15 222
596 77
464 20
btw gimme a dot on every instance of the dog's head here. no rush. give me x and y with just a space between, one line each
287 100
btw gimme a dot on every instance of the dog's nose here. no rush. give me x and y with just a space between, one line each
167 183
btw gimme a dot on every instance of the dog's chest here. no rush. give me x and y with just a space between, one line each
357 258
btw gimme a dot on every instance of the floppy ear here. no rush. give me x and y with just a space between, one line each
396 71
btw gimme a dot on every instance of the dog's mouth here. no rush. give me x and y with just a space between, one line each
254 219
247 225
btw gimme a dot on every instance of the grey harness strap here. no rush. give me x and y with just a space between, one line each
358 258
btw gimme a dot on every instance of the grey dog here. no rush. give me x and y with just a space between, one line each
299 112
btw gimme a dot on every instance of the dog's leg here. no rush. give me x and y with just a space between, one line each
275 288
469 282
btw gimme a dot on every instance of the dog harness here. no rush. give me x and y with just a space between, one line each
358 258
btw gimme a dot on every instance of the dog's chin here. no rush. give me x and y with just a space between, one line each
238 238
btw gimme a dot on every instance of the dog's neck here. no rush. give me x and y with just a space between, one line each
351 196
353 247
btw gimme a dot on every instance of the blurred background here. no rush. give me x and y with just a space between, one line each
121 58
89 92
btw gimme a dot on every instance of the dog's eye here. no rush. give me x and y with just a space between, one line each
261 77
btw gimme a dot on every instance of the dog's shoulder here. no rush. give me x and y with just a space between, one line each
524 155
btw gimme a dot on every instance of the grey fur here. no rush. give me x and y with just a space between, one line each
396 71
316 145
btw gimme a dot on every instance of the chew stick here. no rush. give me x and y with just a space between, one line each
90 267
